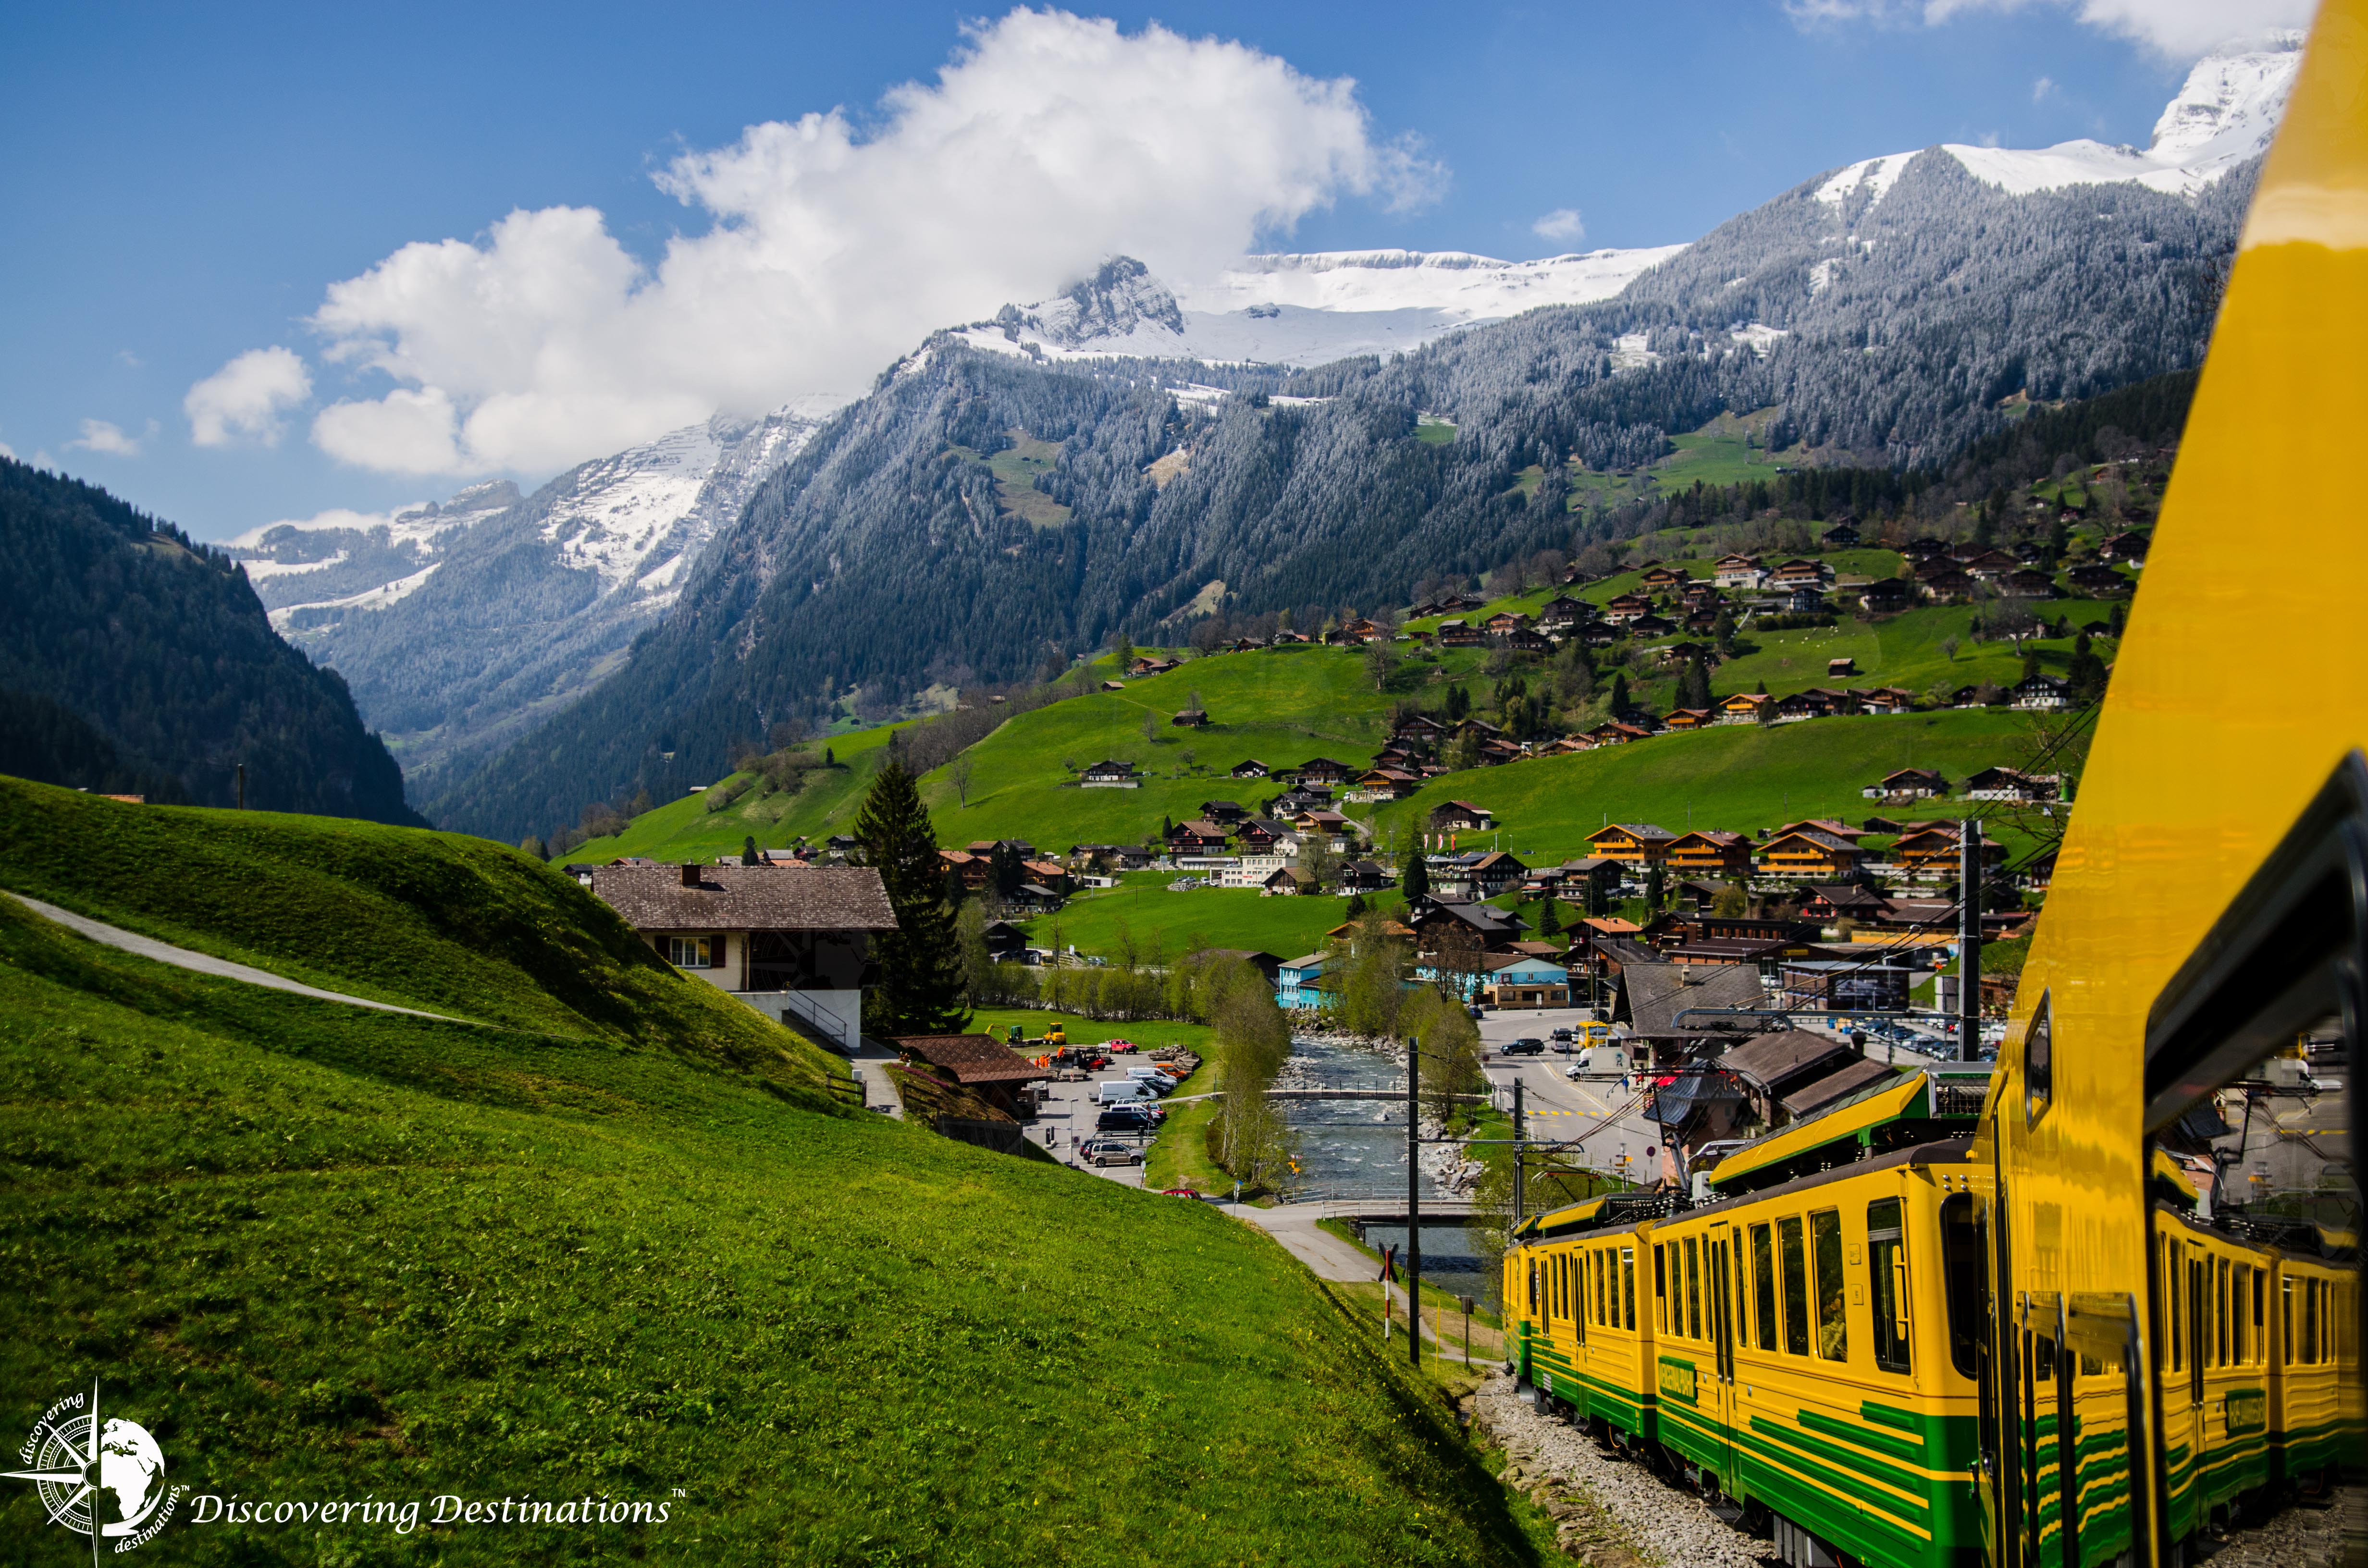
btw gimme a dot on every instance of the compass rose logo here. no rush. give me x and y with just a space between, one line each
99 1477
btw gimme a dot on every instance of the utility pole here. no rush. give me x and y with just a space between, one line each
1518 1135
1969 938
1413 1204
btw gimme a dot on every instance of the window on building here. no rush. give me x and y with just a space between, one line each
692 952
1886 1276
1763 1284
1795 1251
1833 1323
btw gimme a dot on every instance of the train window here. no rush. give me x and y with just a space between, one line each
1601 1314
1628 1285
2285 1320
1763 1285
2312 1293
2260 1306
1533 1287
1886 1270
1660 1290
1962 1262
1833 1320
1796 1286
2220 1314
1692 1329
2039 1060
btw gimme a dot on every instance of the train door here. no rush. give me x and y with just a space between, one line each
2255 1042
1998 1473
1722 1335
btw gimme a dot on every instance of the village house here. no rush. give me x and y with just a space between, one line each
1838 669
1886 596
2100 582
1617 733
2042 693
2130 546
1936 850
1110 776
1144 665
1050 875
1708 852
2031 584
1560 615
1322 770
1841 535
1631 843
1197 836
1226 813
1436 921
2012 784
1523 980
980 1064
1739 571
1687 717
1191 719
1906 784
1363 875
1250 767
1662 580
1887 700
971 871
1289 882
1383 784
794 943
1461 816
1808 853
1625 607
1799 573
1745 708
1295 982
1460 634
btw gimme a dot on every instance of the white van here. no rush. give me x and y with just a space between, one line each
1120 1091
1152 1076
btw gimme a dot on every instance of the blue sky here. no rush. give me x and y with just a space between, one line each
189 183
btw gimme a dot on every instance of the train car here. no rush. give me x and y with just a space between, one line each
2205 937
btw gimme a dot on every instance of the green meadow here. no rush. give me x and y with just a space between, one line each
610 1243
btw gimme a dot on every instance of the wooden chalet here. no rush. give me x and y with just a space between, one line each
1810 854
1631 843
992 1071
1906 784
1708 852
1743 707
1460 816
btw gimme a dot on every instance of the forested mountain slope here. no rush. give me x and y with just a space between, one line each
132 659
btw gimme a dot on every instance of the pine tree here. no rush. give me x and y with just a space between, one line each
1620 695
1415 881
1549 921
921 978
748 856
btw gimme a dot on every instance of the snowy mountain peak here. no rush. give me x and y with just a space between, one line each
2225 114
1301 309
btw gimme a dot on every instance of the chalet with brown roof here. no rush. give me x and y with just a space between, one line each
1799 573
1662 580
993 1072
1631 843
1810 854
1686 717
2012 784
1906 784
1110 776
1625 607
1323 770
1288 882
1887 700
1196 838
1461 816
1886 596
2130 546
793 942
1652 626
1617 733
1506 620
1937 849
973 871
1460 634
1708 852
2099 581
1743 707
2030 583
1144 665
1837 669
1739 571
1249 767
1383 784
1224 812
1191 719
1564 613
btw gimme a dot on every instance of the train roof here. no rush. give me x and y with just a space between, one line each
1893 1114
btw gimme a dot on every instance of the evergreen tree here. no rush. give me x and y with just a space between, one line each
1355 906
921 978
1656 884
1620 695
1005 870
748 856
1414 882
1693 690
1549 920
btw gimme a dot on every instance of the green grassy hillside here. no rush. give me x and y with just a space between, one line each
687 829
1169 922
1737 777
322 1252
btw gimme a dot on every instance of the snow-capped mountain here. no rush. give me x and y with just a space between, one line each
2223 116
493 607
1301 310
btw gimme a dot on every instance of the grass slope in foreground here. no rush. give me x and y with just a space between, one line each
326 1253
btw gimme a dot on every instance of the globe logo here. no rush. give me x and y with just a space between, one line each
100 1475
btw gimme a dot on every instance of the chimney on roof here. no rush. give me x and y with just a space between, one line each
690 873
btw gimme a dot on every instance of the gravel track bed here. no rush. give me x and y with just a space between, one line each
1616 1514
1611 1513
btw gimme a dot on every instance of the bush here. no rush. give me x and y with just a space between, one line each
724 794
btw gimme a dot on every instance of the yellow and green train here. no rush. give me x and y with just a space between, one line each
1992 1320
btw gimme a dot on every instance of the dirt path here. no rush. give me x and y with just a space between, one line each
204 963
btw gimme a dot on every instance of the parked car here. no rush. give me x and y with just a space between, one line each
1118 1091
1110 1151
1180 1192
1561 1038
1123 1119
1528 1045
1115 1046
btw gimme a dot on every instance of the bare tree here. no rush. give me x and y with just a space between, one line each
959 774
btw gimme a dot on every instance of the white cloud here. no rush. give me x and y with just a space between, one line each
247 397
7 452
1562 223
2042 89
2178 30
105 435
1047 142
128 359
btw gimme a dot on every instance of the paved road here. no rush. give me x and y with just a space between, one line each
871 1064
204 963
1066 1119
1597 1115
